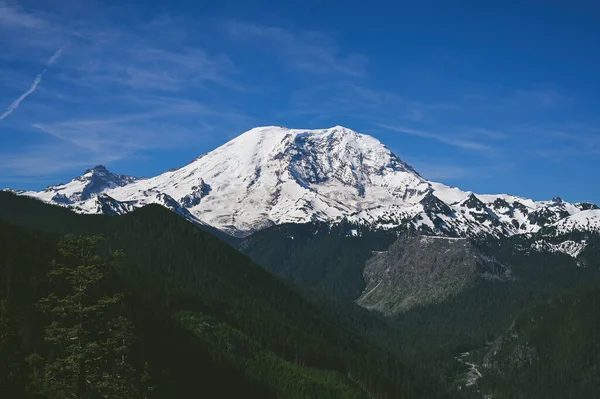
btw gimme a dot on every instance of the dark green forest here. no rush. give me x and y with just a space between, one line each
328 262
193 316
315 255
147 305
551 351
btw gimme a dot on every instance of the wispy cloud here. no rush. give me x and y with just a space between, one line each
23 34
55 56
309 51
510 100
142 65
342 98
46 159
565 154
166 123
578 132
15 104
12 16
130 88
76 144
150 54
487 133
562 142
435 171
464 144
135 83
36 82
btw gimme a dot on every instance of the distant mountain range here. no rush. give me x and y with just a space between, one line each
274 175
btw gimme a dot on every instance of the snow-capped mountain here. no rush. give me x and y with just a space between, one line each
273 175
570 234
586 220
85 187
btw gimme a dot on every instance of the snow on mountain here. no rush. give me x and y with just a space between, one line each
93 182
273 175
569 247
586 220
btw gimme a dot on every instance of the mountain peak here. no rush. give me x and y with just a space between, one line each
433 205
473 202
96 170
91 183
342 129
272 175
274 130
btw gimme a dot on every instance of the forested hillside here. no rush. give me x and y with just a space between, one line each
478 314
316 255
205 321
551 351
331 260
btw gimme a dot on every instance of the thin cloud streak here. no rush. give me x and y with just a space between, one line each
444 172
43 160
36 82
464 144
437 169
14 17
15 104
120 136
562 142
489 134
55 56
126 68
338 99
309 51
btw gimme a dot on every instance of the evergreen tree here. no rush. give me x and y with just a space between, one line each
9 348
90 342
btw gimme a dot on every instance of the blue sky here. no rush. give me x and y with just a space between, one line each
488 96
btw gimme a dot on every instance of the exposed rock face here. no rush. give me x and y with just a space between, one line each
422 270
110 206
195 196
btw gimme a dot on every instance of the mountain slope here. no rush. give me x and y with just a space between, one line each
317 255
418 271
93 182
174 358
468 320
274 175
452 292
550 351
172 267
587 220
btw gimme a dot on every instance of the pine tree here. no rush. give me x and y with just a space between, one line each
9 348
90 341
